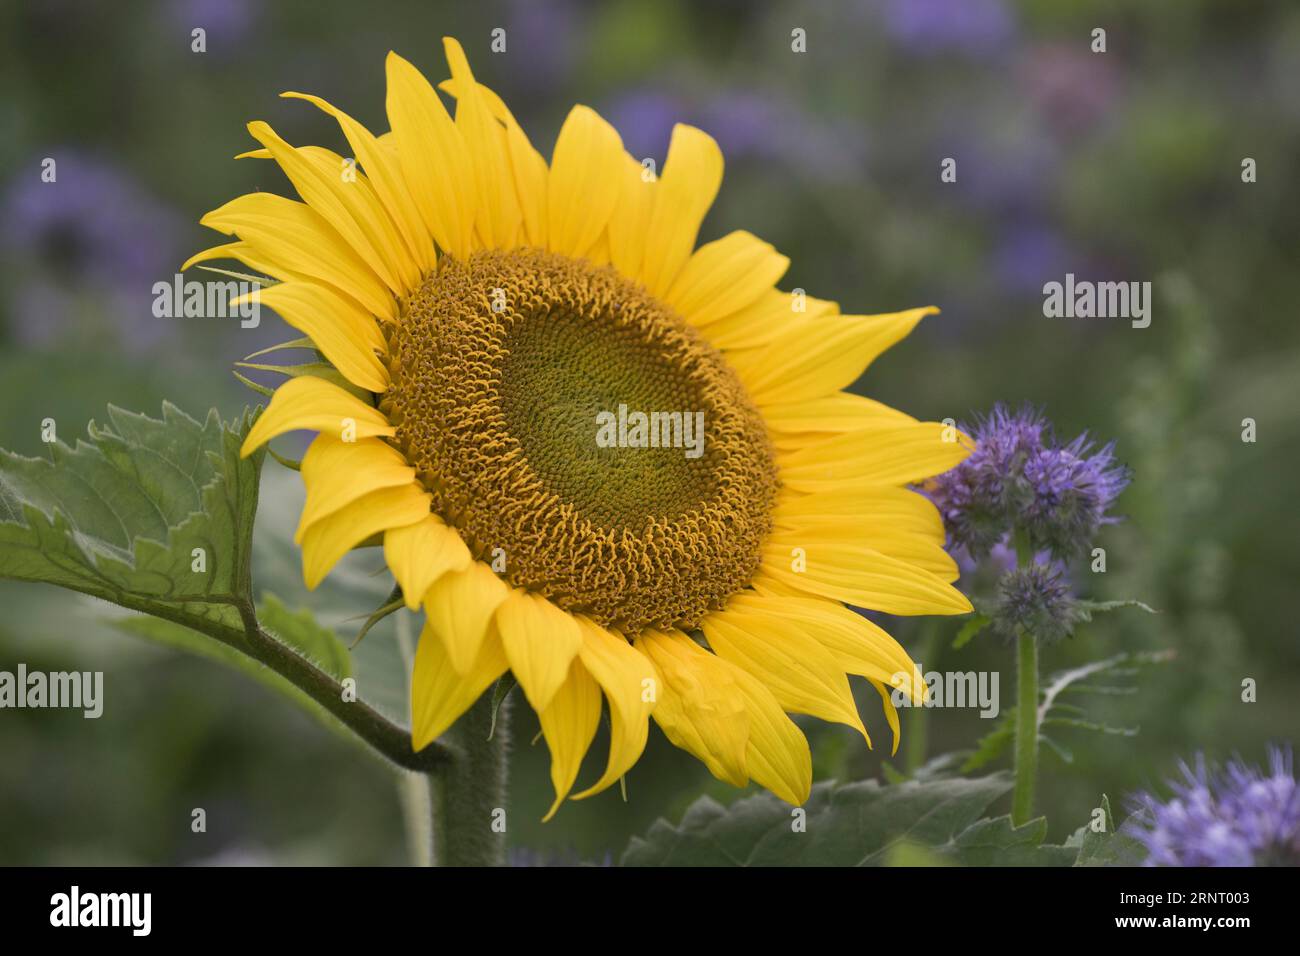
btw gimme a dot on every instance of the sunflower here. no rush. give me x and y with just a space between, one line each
479 309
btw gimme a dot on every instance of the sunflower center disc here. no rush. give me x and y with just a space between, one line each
518 382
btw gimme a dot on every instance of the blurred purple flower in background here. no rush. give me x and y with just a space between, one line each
1239 817
1072 88
748 125
972 27
226 22
92 234
645 119
549 33
1028 254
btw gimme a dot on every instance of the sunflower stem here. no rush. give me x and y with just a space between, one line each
469 795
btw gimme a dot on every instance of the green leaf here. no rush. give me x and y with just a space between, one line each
1086 610
1110 847
301 632
1076 681
152 514
973 625
856 824
997 842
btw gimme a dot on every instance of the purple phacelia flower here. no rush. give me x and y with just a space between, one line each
972 27
1034 599
1072 491
1239 817
1019 479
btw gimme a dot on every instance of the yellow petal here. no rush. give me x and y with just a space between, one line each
249 255
384 170
725 275
888 453
837 412
346 336
777 752
440 693
698 704
311 403
899 509
499 216
337 473
526 163
891 713
585 181
460 606
300 240
627 678
727 718
765 318
691 177
348 203
418 554
816 357
434 158
569 724
333 536
800 673
631 219
858 645
864 578
531 183
541 641
919 550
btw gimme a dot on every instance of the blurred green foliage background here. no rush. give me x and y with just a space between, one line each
1121 165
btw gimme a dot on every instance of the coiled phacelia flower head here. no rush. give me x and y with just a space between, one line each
1020 479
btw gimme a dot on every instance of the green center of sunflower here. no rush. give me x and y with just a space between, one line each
575 429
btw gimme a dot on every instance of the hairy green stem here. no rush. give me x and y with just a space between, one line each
469 795
1026 756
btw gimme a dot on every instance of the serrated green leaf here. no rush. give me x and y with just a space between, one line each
854 824
1111 847
152 514
301 631
997 842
